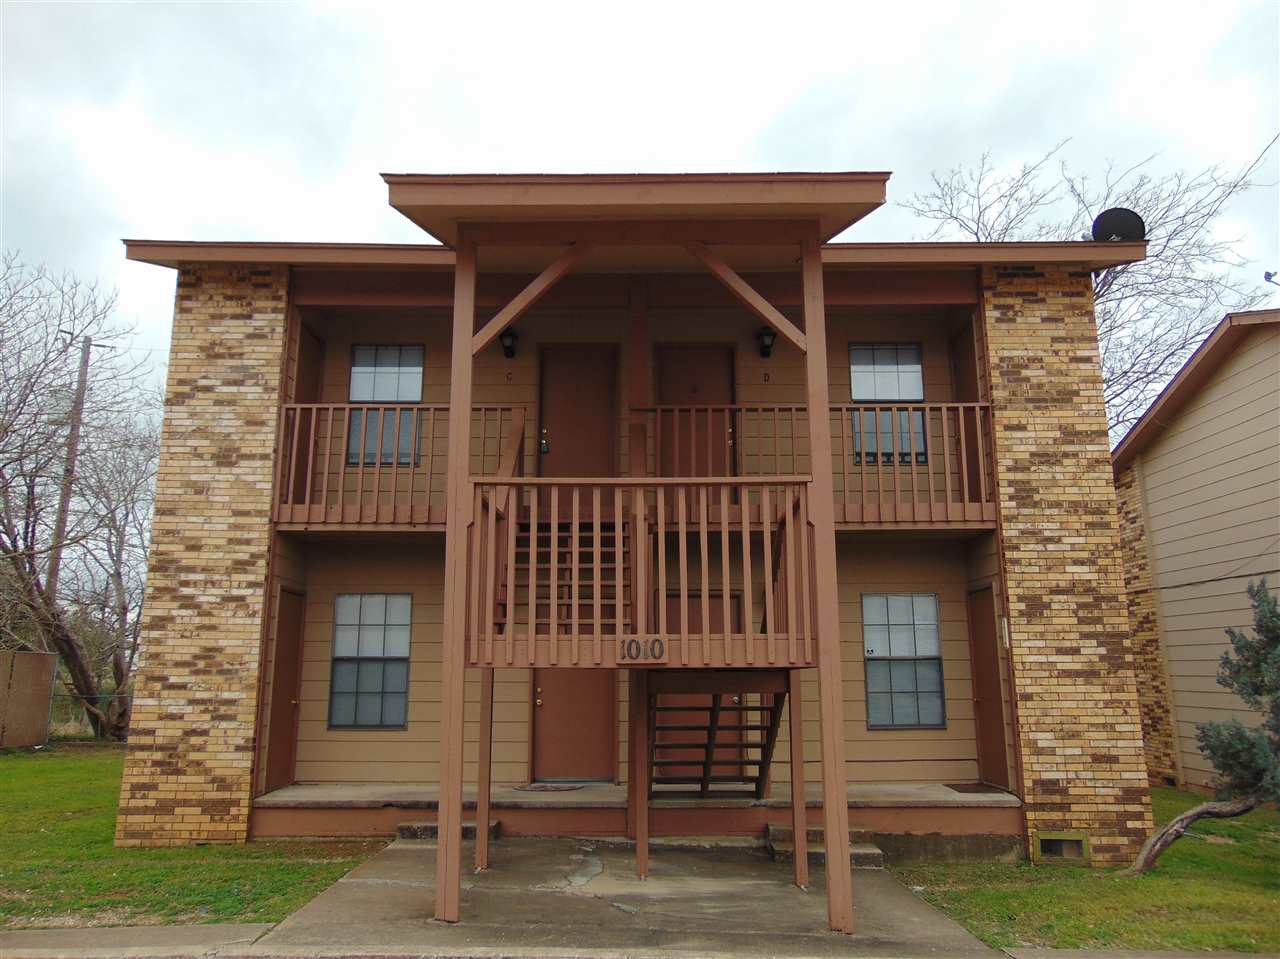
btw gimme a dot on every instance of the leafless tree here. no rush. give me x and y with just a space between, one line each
1151 315
44 318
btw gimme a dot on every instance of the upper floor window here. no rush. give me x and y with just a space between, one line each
386 374
887 373
391 375
369 682
903 656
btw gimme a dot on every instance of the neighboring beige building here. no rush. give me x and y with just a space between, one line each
1198 479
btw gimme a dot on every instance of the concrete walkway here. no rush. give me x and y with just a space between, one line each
555 898
122 941
561 897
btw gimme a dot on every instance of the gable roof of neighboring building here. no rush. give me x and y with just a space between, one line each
1202 364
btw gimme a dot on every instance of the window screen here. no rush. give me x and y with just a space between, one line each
391 375
886 373
903 656
369 684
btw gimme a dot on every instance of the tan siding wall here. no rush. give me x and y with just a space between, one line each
1212 487
880 565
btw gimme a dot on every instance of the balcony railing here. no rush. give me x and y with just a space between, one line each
897 463
379 464
913 463
680 572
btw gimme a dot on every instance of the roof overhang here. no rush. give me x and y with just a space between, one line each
1202 364
439 203
1084 254
173 253
852 256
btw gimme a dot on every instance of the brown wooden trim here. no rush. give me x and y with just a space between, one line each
453 652
705 819
527 297
747 296
1085 254
822 515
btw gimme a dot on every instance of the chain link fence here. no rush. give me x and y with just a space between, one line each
67 719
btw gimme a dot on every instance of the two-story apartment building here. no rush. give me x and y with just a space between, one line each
638 507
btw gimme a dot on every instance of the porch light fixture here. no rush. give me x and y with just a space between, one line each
508 338
767 337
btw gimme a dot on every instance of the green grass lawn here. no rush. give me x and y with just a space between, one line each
58 866
1216 888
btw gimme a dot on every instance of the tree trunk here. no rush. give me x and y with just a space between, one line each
1164 837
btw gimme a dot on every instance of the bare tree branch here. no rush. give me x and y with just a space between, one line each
1151 315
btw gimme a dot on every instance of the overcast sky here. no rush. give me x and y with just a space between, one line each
266 121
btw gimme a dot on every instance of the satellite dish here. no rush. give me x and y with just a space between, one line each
1119 224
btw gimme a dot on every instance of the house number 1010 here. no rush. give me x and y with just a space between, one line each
635 650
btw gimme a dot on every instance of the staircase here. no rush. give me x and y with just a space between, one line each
712 733
543 578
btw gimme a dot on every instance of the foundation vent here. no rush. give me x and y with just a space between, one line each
1060 847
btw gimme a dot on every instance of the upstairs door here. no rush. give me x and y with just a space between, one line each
577 434
693 442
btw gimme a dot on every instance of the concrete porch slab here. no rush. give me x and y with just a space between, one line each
613 796
564 897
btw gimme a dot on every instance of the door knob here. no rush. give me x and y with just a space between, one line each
537 702
544 444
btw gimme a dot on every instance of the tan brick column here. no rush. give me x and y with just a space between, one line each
1154 702
188 770
1079 733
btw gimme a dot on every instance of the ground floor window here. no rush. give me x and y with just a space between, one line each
369 682
903 656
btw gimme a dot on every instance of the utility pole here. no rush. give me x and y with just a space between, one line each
68 472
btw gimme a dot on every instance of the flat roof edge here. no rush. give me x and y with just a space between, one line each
1091 254
173 253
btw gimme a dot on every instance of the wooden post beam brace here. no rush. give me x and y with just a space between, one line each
835 795
530 295
453 661
747 295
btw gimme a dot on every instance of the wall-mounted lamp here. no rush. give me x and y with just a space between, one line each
508 338
767 337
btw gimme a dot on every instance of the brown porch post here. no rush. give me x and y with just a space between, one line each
638 393
453 664
640 679
835 798
799 818
485 775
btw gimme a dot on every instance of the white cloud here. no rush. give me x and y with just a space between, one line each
266 121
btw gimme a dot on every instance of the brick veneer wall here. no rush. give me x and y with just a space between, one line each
1154 701
188 769
1080 735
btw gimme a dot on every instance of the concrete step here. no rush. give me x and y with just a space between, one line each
430 830
779 840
